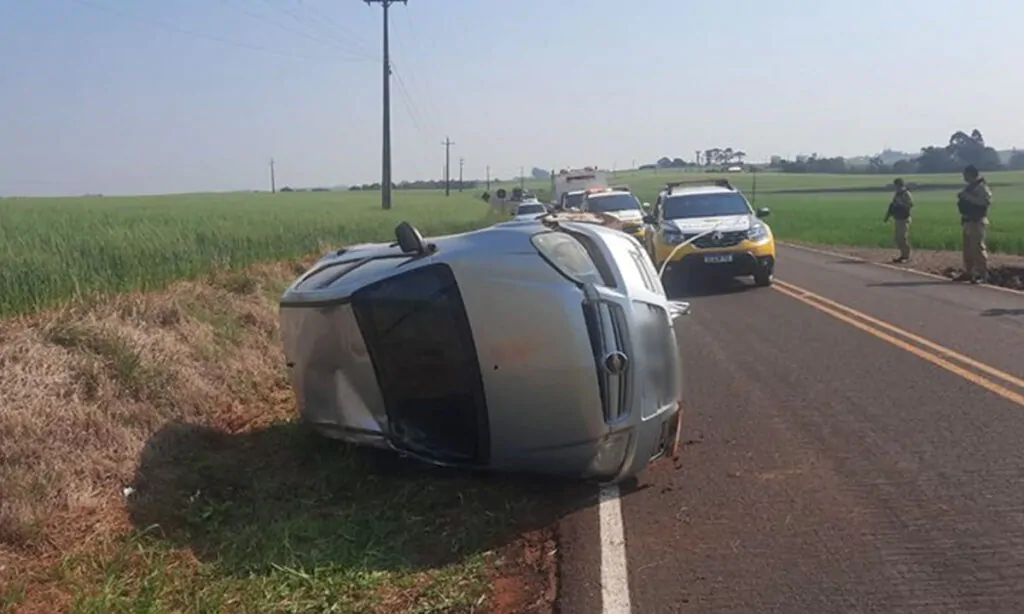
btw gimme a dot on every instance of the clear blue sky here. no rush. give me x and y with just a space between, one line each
147 96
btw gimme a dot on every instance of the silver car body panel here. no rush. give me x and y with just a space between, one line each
564 392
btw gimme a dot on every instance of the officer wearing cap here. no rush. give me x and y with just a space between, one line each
899 210
973 202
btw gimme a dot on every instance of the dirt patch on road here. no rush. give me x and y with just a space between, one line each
1005 270
150 460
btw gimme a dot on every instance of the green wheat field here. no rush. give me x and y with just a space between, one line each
54 249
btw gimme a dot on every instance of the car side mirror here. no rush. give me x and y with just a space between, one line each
409 239
764 212
649 219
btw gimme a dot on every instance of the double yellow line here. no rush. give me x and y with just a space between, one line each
976 372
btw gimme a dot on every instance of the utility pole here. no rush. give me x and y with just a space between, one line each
522 177
488 177
273 184
447 165
385 153
461 162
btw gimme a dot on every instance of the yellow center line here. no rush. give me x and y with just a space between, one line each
970 376
935 347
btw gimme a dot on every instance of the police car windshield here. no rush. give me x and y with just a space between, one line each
705 205
525 209
612 202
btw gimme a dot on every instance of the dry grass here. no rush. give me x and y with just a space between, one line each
182 397
84 388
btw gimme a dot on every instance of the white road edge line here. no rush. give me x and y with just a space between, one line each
825 252
614 574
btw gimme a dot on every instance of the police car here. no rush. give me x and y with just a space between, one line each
722 233
619 203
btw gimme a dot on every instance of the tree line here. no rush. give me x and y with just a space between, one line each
961 150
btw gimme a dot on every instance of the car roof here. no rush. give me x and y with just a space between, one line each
703 189
608 193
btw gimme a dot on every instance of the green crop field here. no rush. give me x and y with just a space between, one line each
848 209
55 248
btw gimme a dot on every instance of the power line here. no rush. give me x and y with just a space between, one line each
353 49
357 42
385 154
282 26
194 34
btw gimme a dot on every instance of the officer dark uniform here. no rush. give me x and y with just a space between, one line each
973 202
899 210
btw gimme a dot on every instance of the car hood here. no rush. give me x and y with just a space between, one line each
724 223
627 215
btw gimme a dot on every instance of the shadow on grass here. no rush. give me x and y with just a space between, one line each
284 497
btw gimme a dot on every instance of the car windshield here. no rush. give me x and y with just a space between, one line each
705 205
529 209
574 200
612 202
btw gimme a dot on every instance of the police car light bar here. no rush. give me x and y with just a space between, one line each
722 183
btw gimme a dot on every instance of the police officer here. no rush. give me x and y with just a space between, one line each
973 202
899 210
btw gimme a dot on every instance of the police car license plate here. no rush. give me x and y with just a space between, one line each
717 258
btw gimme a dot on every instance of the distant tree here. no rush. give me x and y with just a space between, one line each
904 167
287 189
539 173
1017 161
678 163
664 162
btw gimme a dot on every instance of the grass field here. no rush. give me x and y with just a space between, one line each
848 209
53 249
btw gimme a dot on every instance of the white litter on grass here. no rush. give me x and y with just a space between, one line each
128 491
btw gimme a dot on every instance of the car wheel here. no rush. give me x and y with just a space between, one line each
765 277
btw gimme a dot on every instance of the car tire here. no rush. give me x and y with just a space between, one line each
764 278
676 283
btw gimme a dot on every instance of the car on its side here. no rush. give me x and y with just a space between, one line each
708 228
542 346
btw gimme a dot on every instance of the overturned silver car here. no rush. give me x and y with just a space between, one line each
539 345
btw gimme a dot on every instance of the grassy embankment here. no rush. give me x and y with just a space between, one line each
150 461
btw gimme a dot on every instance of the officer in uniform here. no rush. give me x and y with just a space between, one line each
899 210
973 202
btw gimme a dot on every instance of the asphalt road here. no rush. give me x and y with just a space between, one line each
855 443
